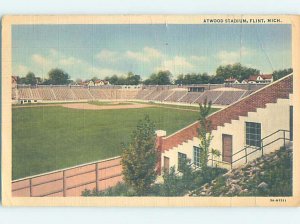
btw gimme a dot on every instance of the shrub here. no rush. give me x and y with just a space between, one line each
139 158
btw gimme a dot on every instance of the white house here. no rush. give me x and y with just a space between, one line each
231 81
90 83
101 82
262 78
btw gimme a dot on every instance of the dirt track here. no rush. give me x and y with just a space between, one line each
38 105
111 106
86 106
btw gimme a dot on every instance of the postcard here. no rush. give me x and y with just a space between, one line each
150 110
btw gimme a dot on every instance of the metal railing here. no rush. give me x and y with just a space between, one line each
261 146
213 161
245 151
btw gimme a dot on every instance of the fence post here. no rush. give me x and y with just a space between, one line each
284 138
64 184
262 148
97 178
30 187
246 154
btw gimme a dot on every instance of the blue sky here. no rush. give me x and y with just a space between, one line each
85 51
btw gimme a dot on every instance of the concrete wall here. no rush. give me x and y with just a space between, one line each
272 118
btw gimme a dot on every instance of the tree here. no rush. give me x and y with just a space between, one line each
236 71
172 184
192 78
204 133
121 81
94 78
161 78
281 73
132 79
216 80
58 77
78 81
29 79
139 157
113 80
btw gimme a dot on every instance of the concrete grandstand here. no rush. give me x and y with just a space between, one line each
219 94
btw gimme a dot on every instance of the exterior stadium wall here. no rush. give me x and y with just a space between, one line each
272 118
71 181
270 106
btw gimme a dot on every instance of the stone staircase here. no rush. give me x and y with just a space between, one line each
269 175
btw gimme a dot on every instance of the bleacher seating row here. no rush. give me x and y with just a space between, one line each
219 96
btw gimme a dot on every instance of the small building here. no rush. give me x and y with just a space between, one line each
100 82
14 81
196 88
90 83
231 81
262 78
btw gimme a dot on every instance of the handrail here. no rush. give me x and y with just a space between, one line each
274 133
261 140
243 149
261 147
191 164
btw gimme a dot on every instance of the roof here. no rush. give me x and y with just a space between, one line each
99 81
263 76
230 80
14 77
227 89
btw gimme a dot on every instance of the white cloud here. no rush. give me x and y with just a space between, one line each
69 61
107 55
152 52
146 55
102 72
21 70
53 52
150 57
41 60
137 56
177 65
198 59
231 57
77 68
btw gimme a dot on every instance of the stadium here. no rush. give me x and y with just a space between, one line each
68 130
102 109
73 126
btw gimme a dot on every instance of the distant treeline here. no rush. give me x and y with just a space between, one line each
59 77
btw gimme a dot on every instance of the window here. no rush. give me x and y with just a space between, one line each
181 160
253 134
196 156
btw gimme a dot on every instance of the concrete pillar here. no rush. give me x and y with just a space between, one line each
159 141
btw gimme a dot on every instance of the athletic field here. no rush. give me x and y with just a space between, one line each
51 137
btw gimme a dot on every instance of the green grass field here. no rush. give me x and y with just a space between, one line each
50 138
